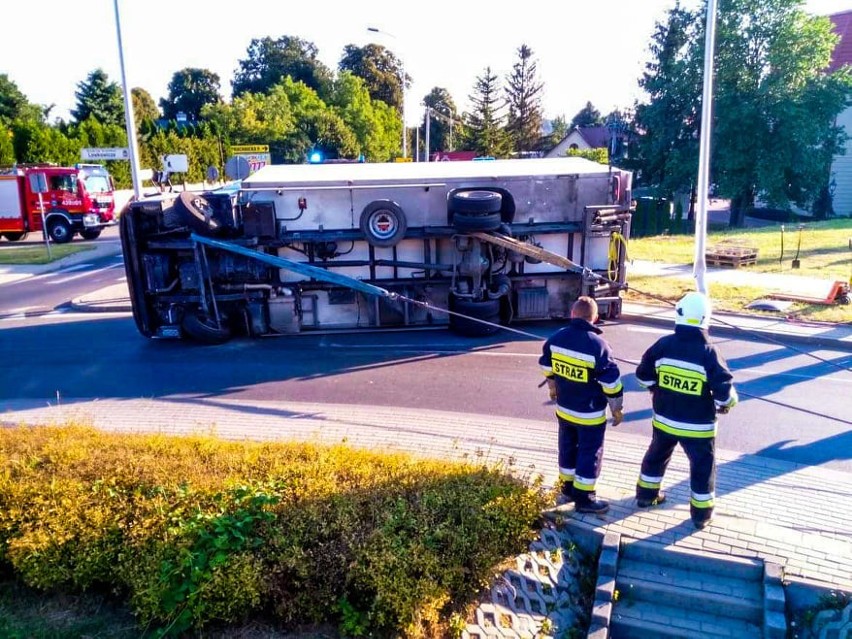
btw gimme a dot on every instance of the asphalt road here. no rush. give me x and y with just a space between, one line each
793 407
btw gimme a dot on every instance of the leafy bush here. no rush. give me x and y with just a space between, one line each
196 530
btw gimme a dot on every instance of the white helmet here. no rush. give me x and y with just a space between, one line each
693 309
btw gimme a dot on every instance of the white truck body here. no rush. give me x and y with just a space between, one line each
417 229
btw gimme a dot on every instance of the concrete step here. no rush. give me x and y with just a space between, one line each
723 565
690 589
648 620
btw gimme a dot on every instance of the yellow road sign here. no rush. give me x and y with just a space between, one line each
249 148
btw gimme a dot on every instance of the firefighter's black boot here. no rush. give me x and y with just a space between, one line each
656 501
566 495
592 506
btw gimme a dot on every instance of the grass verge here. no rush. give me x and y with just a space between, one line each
26 255
728 297
825 250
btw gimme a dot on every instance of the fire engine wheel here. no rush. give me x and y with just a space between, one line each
466 222
60 231
383 223
204 330
90 234
17 236
197 212
487 310
476 202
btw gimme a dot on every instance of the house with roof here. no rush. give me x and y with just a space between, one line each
840 180
593 137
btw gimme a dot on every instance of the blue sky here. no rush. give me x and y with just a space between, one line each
585 50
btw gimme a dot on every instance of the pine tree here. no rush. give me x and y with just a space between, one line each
523 93
485 133
99 98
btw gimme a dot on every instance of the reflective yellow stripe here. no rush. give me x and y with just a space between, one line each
648 484
584 483
700 430
612 390
682 372
706 503
568 477
582 421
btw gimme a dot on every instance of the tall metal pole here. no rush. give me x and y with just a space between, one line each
700 267
128 114
428 126
402 84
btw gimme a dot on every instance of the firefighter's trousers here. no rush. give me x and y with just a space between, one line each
701 452
580 456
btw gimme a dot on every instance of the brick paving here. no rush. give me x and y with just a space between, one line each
793 515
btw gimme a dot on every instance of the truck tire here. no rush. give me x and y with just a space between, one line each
59 230
90 234
488 310
467 223
383 223
197 212
476 202
16 236
203 329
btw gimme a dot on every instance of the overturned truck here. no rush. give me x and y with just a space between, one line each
298 248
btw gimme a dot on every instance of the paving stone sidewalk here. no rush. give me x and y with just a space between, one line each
794 515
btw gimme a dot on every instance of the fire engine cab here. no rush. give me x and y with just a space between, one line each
78 200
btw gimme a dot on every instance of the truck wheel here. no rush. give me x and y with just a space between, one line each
90 234
488 310
60 231
17 236
204 330
383 223
476 202
197 212
466 222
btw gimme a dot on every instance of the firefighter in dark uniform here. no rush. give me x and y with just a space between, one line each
690 383
583 378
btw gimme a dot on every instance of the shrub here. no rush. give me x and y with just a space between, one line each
196 530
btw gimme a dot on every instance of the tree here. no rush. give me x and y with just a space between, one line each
380 69
7 150
523 93
774 111
558 130
668 150
587 116
485 133
771 82
190 90
144 107
443 122
376 125
12 101
268 61
99 98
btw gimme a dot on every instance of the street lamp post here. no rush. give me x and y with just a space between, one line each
402 79
132 147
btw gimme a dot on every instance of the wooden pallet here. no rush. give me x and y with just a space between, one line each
734 261
731 253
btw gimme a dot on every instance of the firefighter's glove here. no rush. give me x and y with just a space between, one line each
723 410
616 407
551 388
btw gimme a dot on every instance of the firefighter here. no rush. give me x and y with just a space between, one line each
583 378
690 383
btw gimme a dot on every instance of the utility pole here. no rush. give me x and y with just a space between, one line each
402 85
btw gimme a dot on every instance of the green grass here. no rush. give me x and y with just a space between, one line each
824 253
38 254
730 298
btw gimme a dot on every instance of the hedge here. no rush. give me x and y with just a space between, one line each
195 530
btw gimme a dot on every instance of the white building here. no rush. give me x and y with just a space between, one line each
840 182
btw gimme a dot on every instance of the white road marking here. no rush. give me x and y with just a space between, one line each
62 280
649 329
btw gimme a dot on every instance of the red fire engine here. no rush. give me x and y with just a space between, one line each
78 200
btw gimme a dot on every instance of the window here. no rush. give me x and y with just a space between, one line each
66 182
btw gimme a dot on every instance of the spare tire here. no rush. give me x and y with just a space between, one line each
468 223
476 202
383 223
487 310
198 213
